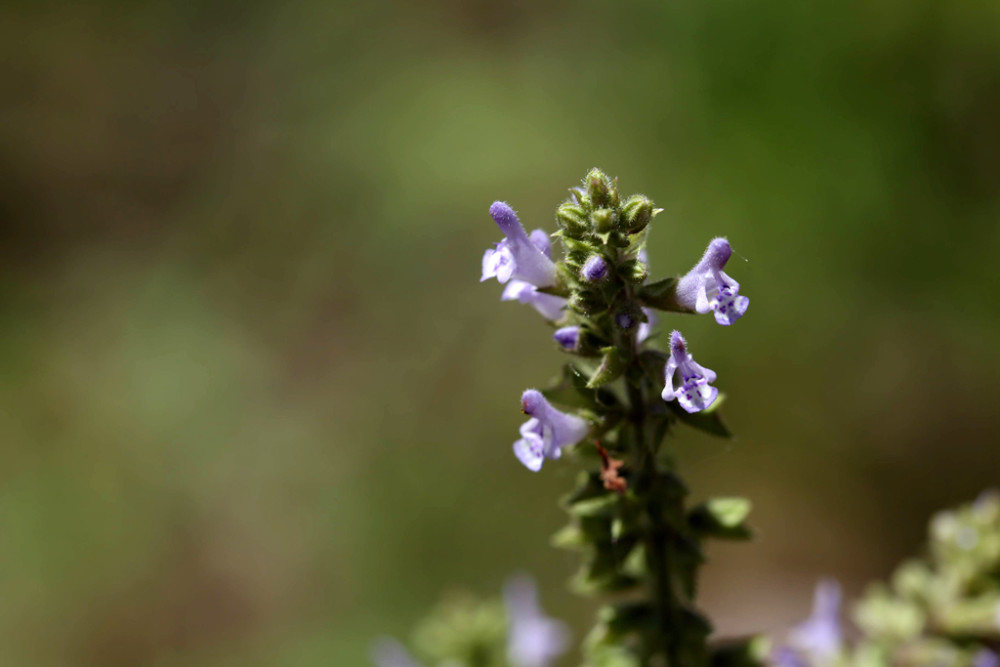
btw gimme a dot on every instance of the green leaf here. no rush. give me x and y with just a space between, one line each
708 420
722 518
571 390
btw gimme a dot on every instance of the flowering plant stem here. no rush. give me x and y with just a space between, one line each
639 540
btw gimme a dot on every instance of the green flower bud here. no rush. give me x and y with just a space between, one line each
603 220
612 367
598 187
572 219
587 302
636 213
634 271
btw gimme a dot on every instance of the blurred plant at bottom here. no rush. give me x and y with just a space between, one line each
940 610
467 632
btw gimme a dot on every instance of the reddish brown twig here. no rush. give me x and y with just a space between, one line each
609 471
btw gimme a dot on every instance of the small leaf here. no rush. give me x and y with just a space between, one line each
708 420
722 518
571 390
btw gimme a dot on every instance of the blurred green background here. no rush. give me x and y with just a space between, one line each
255 406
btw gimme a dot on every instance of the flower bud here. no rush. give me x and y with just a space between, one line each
636 213
572 219
603 219
612 367
634 271
598 187
595 269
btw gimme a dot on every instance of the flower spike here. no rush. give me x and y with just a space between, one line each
547 432
707 287
516 256
695 393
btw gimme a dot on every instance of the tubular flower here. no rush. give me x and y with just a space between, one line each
820 635
533 639
707 287
695 393
517 256
548 305
547 432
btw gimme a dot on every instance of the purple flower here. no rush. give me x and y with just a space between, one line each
786 656
986 658
533 639
594 269
820 634
550 306
646 328
695 393
568 338
706 287
547 432
388 652
517 256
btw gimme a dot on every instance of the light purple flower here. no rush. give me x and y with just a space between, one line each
695 393
820 635
550 306
986 658
547 432
388 652
533 639
706 287
517 256
594 269
646 328
786 656
568 337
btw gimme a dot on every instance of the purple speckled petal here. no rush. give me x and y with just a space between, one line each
707 288
695 393
529 451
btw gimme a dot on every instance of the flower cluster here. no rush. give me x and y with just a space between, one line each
465 633
600 300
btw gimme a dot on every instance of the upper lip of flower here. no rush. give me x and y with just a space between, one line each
526 258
